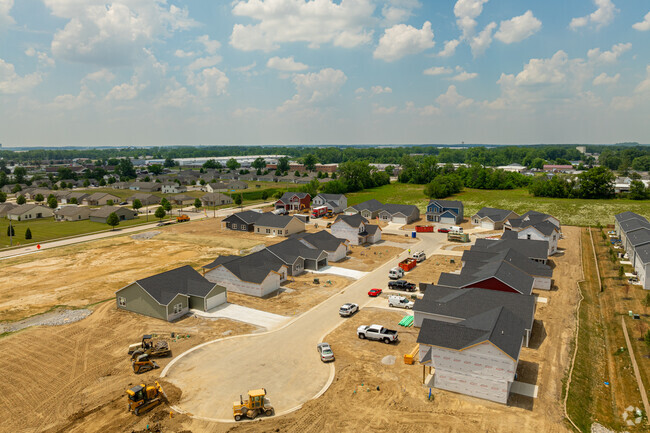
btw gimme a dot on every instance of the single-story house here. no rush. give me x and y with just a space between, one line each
624 216
258 274
337 249
642 265
298 256
368 209
237 184
241 221
291 201
121 185
216 199
278 225
171 295
146 186
355 229
491 218
100 215
172 188
100 199
72 213
77 197
31 193
29 211
145 198
399 213
635 240
214 187
335 203
181 199
627 227
445 211
6 207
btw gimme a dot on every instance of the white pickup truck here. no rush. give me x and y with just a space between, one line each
377 332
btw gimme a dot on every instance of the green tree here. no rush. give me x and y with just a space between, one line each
3 197
86 183
63 185
238 199
113 220
537 163
646 338
621 272
73 200
19 174
259 163
155 169
28 234
334 175
232 164
211 163
11 231
21 199
160 213
102 182
638 191
296 173
39 198
137 204
283 164
310 162
52 202
311 188
16 188
125 169
197 203
110 203
389 170
166 204
597 182
265 195
169 162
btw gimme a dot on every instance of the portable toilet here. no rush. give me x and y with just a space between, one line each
413 234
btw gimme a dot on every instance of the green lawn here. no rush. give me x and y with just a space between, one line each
579 212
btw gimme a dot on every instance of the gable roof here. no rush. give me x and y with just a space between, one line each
247 216
531 267
457 204
404 209
287 196
330 197
73 210
99 195
166 286
254 267
544 227
533 249
291 249
352 220
105 211
530 218
269 219
21 209
643 253
323 240
371 205
633 224
220 260
475 272
499 326
627 215
494 214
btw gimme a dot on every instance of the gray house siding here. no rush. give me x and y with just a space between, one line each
139 301
179 299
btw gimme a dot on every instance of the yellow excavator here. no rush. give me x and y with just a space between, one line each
256 404
142 363
143 398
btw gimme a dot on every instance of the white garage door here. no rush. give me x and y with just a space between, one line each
215 301
399 220
487 225
448 220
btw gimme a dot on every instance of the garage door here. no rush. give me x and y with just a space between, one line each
448 220
215 300
399 220
487 225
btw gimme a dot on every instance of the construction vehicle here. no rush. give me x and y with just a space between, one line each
182 218
143 398
142 364
256 404
157 349
457 237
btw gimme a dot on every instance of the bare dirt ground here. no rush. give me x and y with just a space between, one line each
73 377
405 239
363 258
297 296
429 270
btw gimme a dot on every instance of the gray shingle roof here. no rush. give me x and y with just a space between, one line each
105 211
371 205
321 239
639 237
330 197
72 210
545 227
352 220
531 218
219 260
494 214
184 280
270 219
633 224
627 215
21 209
448 203
511 256
405 209
286 197
498 326
254 267
290 250
643 252
247 216
475 272
530 248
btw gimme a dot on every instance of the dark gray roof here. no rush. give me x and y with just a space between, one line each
184 280
286 197
219 260
371 229
105 211
321 239
247 216
628 215
290 250
639 237
464 303
530 248
405 209
531 218
371 205
633 224
531 267
475 272
329 197
270 219
643 252
498 326
352 220
545 227
448 203
254 267
494 214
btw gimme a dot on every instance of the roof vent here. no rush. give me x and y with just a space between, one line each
501 332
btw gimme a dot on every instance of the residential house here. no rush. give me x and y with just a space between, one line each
293 201
100 199
299 256
72 213
101 214
630 226
642 264
267 178
336 249
537 226
215 199
181 199
399 213
29 211
258 274
172 188
491 218
145 198
445 211
170 295
241 221
146 186
624 216
214 187
73 198
335 203
121 185
368 209
356 230
533 249
278 225
6 207
31 193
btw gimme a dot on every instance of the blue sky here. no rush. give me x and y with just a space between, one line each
147 72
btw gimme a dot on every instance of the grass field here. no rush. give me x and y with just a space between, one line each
580 212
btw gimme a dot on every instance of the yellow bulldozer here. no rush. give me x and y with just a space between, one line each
142 363
155 349
143 398
256 404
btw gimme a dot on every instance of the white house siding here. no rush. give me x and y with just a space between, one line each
542 283
227 279
487 224
215 301
343 231
375 238
471 385
536 235
642 272
340 253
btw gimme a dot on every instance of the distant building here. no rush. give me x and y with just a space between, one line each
581 149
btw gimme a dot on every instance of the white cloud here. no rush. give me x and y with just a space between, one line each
602 16
605 80
449 49
317 22
5 18
644 86
113 34
126 91
43 58
175 96
643 26
209 82
11 82
464 76
622 103
315 88
543 71
248 111
518 28
466 12
71 102
246 69
378 90
437 70
482 41
184 54
608 56
287 64
453 99
101 75
204 62
378 109
211 46
402 40
360 90
398 11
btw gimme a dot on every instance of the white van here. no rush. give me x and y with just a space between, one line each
419 256
399 302
456 229
395 273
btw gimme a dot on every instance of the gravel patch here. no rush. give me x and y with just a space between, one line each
53 318
597 428
388 360
145 235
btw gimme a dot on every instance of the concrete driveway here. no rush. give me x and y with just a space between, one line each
343 272
283 361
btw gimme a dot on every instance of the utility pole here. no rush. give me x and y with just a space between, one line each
11 232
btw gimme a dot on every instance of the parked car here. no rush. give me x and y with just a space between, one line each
348 309
280 211
123 203
377 332
374 292
402 285
419 256
325 351
443 230
400 302
395 273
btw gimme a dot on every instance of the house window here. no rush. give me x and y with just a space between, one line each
178 308
258 230
233 226
279 232
528 236
553 238
121 301
268 231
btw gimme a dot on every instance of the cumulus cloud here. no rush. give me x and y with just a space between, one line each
449 49
71 102
543 71
642 26
466 12
184 54
482 41
518 28
209 82
101 75
602 16
398 11
437 70
611 56
605 80
113 34
644 86
287 64
464 76
315 88
342 24
12 83
452 99
175 96
204 62
402 40
5 18
211 46
378 90
126 91
43 58
378 109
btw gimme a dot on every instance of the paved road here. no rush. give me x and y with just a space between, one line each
32 249
283 361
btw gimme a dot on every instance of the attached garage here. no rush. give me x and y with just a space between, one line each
448 220
487 224
215 300
399 219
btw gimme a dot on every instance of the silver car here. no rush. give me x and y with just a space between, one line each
325 352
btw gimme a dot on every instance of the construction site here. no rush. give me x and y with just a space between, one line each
77 376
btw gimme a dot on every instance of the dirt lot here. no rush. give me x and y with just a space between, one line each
363 258
72 378
429 270
405 239
298 295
